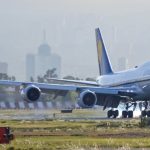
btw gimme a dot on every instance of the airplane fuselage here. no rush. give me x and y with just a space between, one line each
134 75
138 77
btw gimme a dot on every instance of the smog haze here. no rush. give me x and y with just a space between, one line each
69 26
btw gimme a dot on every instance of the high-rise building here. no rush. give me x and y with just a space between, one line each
30 66
45 60
37 65
3 67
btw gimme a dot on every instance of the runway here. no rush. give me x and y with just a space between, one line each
54 114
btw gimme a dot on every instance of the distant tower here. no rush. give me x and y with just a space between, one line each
30 66
44 36
45 59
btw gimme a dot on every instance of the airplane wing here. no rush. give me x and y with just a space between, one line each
61 89
67 87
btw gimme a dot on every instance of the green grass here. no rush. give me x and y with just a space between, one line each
55 134
74 142
52 133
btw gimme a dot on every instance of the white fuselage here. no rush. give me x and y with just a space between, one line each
127 76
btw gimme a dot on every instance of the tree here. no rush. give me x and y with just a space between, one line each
4 76
4 89
13 78
90 79
40 79
50 73
31 79
69 77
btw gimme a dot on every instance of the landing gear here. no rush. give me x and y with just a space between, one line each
148 113
109 113
126 113
116 113
130 114
112 113
145 112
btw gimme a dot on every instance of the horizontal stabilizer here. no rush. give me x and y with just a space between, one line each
92 83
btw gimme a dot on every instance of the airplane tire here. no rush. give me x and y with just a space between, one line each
116 113
148 113
109 113
130 114
143 113
124 114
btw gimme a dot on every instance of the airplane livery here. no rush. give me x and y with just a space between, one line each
130 87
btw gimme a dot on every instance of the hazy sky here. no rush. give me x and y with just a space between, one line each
69 26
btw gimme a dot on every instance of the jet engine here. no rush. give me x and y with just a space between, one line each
87 99
31 93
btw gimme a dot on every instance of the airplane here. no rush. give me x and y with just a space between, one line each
109 90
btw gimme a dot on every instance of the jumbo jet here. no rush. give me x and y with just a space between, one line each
109 90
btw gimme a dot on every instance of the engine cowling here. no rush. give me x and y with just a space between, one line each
87 99
31 93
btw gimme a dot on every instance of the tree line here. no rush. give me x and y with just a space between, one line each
51 73
4 76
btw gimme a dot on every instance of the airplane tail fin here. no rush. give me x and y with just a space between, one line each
104 64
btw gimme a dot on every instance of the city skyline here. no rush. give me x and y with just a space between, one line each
70 32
